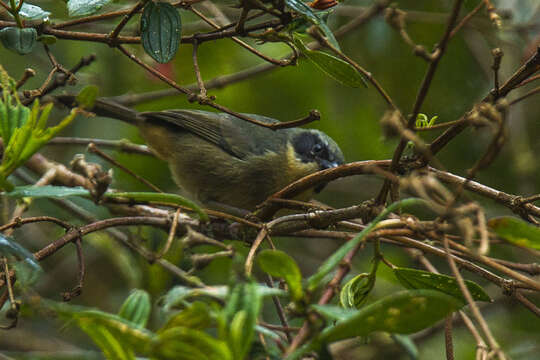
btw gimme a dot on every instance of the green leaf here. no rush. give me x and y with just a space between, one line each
47 39
355 291
333 312
159 197
195 316
241 311
85 7
302 8
315 280
278 263
516 231
87 96
47 191
19 40
136 308
407 344
32 12
8 246
50 191
332 66
405 312
182 343
112 348
161 29
420 279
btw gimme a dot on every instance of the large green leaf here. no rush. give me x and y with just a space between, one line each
278 263
161 29
404 312
516 231
332 66
420 279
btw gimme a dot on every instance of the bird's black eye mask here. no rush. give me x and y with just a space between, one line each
309 147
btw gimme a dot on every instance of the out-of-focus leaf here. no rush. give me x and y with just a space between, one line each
47 191
302 8
19 40
407 344
332 66
195 316
333 312
278 263
87 96
161 29
136 308
8 246
241 312
516 231
420 279
182 343
85 7
404 312
32 12
47 39
112 348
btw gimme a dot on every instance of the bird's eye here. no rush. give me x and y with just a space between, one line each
317 149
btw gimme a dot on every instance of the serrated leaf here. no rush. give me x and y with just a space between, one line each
32 12
404 312
19 40
516 231
85 7
420 279
332 66
136 308
161 29
87 96
278 263
302 8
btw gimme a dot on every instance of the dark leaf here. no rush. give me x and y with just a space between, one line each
161 29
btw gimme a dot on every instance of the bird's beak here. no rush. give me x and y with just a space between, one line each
325 164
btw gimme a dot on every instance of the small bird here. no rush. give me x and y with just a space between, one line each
222 159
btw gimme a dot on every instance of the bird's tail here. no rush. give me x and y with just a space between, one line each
103 107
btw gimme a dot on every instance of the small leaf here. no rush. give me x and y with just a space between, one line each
420 279
278 263
407 344
47 39
302 8
87 96
405 312
332 66
85 7
33 12
355 291
19 40
136 308
161 29
516 231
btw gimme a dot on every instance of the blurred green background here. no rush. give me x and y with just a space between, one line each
350 116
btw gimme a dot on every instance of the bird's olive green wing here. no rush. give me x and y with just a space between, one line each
235 136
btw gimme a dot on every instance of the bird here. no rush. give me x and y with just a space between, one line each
219 158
